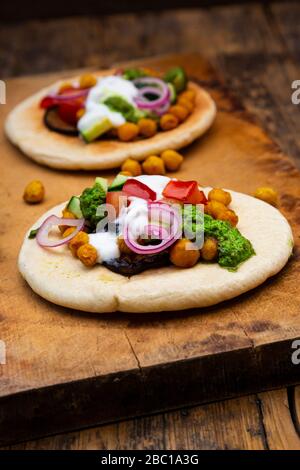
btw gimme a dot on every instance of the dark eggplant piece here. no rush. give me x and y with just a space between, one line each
56 124
129 265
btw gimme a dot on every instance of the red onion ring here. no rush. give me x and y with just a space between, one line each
173 233
42 235
70 96
162 90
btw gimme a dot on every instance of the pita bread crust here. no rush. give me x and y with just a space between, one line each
25 128
55 275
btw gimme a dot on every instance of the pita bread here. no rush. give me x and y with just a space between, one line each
58 277
25 128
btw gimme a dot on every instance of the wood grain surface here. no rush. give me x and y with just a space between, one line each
145 363
258 60
256 422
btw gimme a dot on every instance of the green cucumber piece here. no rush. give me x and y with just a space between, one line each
118 183
74 207
173 94
96 130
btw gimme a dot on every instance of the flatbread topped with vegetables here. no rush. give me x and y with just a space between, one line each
151 243
97 121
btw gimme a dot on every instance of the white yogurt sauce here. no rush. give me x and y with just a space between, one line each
96 111
135 215
112 86
106 244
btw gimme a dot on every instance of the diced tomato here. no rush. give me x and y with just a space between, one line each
184 191
68 111
117 199
47 102
136 188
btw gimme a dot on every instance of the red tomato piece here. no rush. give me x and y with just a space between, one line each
117 199
184 191
68 112
136 188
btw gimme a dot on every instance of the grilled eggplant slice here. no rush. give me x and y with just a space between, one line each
129 265
56 124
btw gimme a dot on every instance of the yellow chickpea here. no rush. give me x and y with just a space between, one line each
218 194
80 113
267 194
168 121
182 256
128 131
132 166
123 247
147 127
87 80
65 86
179 111
228 216
68 231
80 239
172 159
189 95
34 192
67 215
185 103
153 165
87 254
209 250
214 208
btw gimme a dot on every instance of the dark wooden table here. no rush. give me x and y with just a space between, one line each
257 49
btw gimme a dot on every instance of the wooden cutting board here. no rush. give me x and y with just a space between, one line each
65 369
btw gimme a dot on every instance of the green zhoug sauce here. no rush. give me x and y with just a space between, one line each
233 248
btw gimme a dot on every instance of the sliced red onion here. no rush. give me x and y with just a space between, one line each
71 95
51 221
161 90
56 99
168 235
156 231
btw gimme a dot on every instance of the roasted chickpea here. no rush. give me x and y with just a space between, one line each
123 247
153 165
34 192
214 208
228 216
132 166
168 121
65 86
68 231
179 111
185 103
209 250
267 194
125 173
80 113
80 239
87 254
172 160
218 194
67 215
189 95
87 80
182 255
128 131
147 127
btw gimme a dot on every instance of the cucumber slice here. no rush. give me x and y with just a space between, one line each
173 94
102 182
117 183
74 207
96 130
